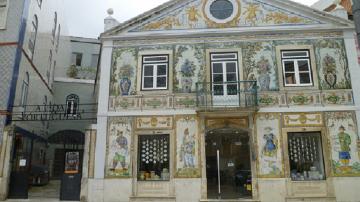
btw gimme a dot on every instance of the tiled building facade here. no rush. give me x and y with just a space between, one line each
205 100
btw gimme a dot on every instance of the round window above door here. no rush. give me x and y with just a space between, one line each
222 11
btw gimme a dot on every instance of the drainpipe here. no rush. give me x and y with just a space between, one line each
356 15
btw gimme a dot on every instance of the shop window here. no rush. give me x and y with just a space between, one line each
296 68
77 59
153 157
33 34
155 72
306 156
72 105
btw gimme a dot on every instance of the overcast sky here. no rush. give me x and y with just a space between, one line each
86 17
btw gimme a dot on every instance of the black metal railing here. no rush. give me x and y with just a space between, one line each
226 94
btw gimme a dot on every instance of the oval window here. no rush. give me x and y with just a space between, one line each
221 9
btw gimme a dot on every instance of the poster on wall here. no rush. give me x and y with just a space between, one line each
344 143
118 162
72 162
269 145
187 147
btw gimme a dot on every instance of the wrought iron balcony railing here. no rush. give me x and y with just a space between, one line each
241 94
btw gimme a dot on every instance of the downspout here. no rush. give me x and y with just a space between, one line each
356 15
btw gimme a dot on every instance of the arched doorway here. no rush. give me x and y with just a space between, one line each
62 145
228 163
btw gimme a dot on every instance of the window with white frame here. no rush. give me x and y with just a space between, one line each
306 156
72 105
3 11
25 90
296 68
33 34
155 72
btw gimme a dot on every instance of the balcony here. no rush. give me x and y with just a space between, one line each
220 95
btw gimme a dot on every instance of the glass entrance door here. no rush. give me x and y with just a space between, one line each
228 166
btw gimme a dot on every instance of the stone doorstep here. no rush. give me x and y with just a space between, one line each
311 199
152 199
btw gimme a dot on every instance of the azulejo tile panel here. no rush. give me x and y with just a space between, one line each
189 67
268 140
123 72
162 122
195 15
303 120
188 149
119 141
344 140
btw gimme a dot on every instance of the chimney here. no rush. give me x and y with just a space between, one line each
340 11
110 22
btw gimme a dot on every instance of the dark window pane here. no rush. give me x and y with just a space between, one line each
289 66
155 59
217 68
231 77
148 82
218 78
230 67
295 54
305 78
290 78
148 70
221 9
218 90
224 56
232 89
303 65
161 70
161 82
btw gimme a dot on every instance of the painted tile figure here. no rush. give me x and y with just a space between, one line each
345 142
187 147
120 156
270 160
118 148
188 150
270 147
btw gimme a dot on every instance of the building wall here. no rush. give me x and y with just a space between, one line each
87 47
323 107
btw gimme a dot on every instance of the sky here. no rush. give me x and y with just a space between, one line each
85 18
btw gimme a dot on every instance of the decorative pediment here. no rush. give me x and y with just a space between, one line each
203 14
210 14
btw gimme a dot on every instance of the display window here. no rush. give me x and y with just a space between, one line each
154 158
